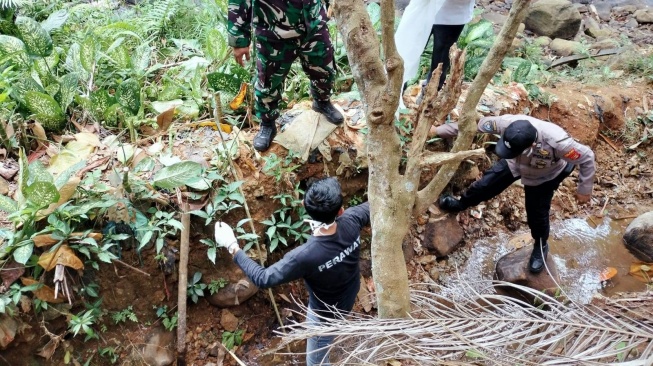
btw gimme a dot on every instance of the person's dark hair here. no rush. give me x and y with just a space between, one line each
323 200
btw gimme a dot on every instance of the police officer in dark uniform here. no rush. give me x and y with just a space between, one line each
542 154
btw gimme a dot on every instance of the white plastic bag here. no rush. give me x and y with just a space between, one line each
413 34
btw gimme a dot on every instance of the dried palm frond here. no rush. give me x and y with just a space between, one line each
489 329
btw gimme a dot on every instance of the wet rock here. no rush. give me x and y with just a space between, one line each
8 328
228 321
233 294
553 18
644 16
620 11
443 236
564 48
513 268
604 44
159 350
638 237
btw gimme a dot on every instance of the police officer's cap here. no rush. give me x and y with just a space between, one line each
516 138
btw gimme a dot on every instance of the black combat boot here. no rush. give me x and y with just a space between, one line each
538 256
329 111
450 204
264 137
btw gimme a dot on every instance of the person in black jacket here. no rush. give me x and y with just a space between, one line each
328 262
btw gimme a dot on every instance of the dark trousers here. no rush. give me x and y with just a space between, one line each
538 198
444 36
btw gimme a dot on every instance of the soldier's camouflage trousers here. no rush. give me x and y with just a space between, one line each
273 61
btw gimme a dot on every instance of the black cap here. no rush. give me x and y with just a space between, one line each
516 138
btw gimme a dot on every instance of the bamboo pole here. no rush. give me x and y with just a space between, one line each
183 284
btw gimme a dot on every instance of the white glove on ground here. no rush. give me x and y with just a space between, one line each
224 237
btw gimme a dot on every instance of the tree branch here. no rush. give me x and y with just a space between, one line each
439 158
467 122
394 64
434 107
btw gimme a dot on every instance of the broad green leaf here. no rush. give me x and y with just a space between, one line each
219 81
141 58
8 205
100 102
170 92
88 53
69 88
374 10
22 253
14 49
177 175
73 62
120 56
188 110
160 107
46 109
65 175
55 21
215 45
520 74
113 115
129 95
37 40
211 253
52 89
38 173
478 30
199 183
42 194
24 85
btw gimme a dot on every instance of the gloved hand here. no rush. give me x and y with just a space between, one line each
224 237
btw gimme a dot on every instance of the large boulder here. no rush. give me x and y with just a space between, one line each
638 237
513 268
644 16
553 18
442 236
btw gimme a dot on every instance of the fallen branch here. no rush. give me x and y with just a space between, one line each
241 363
612 145
568 59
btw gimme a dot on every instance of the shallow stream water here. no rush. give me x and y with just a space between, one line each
581 249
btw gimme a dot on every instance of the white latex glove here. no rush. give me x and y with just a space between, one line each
224 237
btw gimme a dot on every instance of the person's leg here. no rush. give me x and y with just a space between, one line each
538 207
444 36
317 348
273 61
494 181
316 56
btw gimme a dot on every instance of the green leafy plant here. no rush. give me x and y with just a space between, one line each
196 287
82 323
124 315
110 353
278 167
216 285
169 322
232 339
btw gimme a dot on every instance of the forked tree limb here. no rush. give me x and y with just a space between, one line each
434 159
435 106
467 122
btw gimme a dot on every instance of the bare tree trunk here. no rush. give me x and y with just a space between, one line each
393 195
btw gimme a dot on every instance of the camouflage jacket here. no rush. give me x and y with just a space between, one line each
273 19
553 149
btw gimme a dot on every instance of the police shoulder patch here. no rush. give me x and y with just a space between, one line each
572 154
490 126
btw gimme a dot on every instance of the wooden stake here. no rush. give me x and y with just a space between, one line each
182 284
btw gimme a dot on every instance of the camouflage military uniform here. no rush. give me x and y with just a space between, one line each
285 30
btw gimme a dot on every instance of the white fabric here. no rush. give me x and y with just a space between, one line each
415 28
224 237
317 226
455 12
